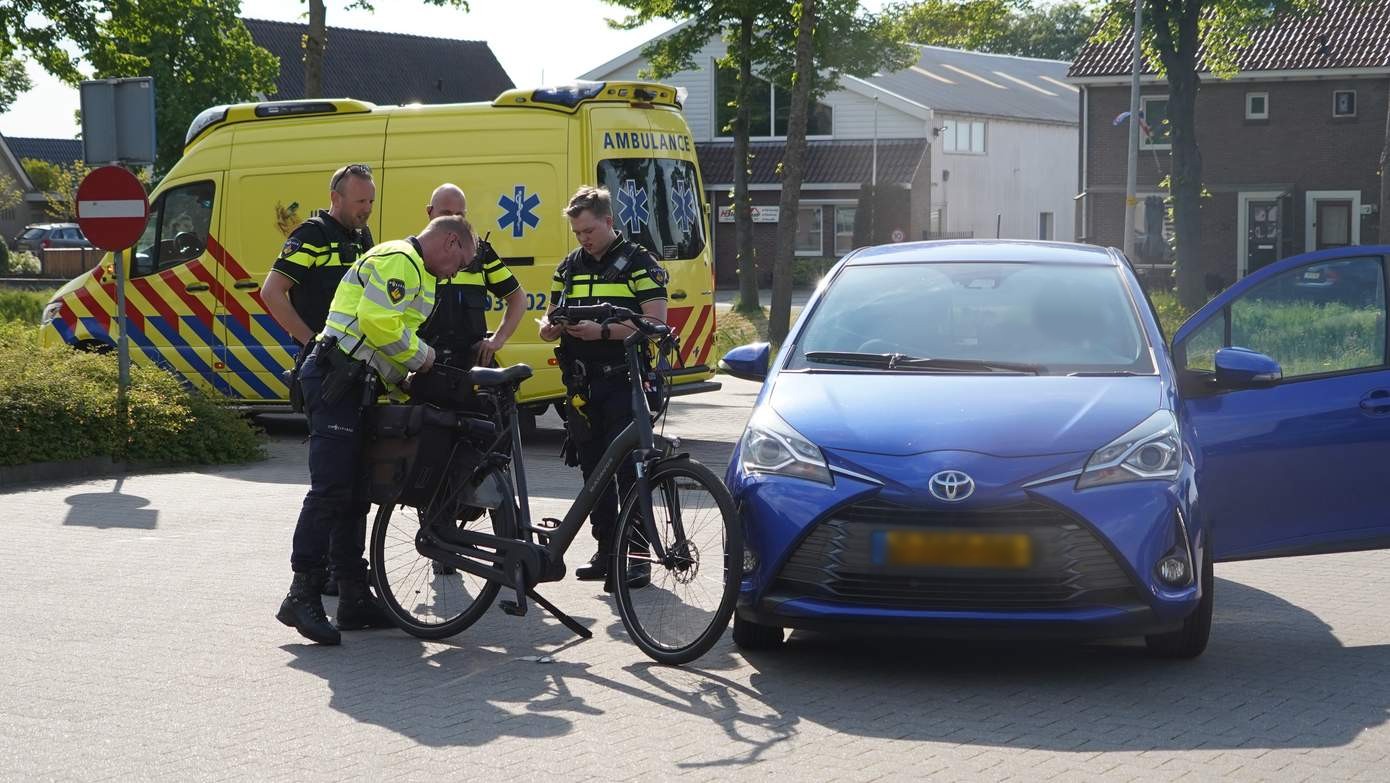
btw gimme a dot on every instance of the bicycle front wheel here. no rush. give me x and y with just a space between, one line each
428 599
676 610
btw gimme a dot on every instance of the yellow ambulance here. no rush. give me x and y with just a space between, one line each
250 173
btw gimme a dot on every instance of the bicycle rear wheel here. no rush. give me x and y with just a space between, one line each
427 601
675 611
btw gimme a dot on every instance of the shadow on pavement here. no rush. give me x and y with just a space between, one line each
110 509
1263 683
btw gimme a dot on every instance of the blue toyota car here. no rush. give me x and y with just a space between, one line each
995 438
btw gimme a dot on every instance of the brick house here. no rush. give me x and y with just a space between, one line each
1290 146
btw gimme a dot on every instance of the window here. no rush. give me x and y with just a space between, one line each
769 108
844 229
656 202
809 234
1257 106
1045 225
1314 320
1344 103
178 229
1154 133
964 136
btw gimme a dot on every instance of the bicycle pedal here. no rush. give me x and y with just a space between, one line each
512 608
546 523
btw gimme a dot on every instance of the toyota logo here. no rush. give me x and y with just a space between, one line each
951 486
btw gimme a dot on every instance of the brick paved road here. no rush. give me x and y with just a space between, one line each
137 642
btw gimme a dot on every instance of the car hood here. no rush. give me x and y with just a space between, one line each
1007 416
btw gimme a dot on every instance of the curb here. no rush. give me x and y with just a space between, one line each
37 473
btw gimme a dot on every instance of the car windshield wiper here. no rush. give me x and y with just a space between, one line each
1102 374
901 361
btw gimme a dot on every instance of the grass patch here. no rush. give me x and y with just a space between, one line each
1171 313
735 328
23 306
57 404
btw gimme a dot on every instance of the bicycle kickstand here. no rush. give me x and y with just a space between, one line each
565 620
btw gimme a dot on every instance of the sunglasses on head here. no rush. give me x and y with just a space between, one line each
356 169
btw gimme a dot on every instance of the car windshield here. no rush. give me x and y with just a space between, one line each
1017 318
32 233
656 203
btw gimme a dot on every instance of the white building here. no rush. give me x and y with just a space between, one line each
983 145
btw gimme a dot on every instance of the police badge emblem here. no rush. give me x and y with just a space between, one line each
291 247
396 290
659 275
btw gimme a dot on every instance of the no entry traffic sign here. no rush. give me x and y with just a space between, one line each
112 208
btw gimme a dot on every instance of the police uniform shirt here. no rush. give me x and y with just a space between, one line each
460 309
377 311
314 257
642 281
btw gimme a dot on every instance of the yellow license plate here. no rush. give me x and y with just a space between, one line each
958 549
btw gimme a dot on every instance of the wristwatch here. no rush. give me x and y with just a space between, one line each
604 333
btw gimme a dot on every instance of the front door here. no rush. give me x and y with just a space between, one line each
1333 224
1261 234
1299 467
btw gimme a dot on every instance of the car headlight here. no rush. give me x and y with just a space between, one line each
50 312
1150 451
770 445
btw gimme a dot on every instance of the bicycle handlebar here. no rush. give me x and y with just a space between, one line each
607 314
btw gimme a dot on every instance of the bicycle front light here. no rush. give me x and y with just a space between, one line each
1150 451
770 445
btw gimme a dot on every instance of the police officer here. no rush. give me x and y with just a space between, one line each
301 282
371 325
459 321
607 268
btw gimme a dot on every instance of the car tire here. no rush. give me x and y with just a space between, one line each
1190 640
749 635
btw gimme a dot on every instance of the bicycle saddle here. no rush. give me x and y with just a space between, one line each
488 376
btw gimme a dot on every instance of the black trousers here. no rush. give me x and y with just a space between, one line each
333 521
609 409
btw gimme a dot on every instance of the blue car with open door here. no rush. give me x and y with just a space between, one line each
993 438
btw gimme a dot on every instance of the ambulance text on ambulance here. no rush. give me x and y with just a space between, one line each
646 140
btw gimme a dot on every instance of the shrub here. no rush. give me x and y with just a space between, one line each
22 262
807 272
23 306
58 404
1171 313
4 257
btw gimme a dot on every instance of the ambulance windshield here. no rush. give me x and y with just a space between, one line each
656 202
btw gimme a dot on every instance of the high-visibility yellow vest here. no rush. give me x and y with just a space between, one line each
379 305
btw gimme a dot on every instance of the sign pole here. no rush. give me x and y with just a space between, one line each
1132 159
122 347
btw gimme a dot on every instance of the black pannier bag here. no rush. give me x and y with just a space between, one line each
445 386
413 449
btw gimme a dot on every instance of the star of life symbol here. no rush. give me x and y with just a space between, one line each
633 210
518 211
686 209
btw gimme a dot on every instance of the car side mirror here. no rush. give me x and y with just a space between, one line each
1242 368
187 243
748 362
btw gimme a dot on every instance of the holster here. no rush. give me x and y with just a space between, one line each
345 375
291 378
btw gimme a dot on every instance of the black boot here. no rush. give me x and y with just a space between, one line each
358 608
597 569
302 610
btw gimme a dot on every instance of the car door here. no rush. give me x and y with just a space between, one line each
1298 467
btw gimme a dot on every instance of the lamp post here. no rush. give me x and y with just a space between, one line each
1132 162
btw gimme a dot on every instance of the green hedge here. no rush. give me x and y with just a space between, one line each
25 306
58 404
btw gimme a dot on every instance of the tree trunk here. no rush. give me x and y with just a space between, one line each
314 42
1383 213
748 299
1177 35
793 164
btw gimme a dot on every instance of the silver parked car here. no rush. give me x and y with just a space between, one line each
41 236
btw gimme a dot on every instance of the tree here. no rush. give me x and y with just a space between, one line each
1383 213
64 20
10 194
199 53
739 22
1175 33
1016 27
842 40
315 40
59 182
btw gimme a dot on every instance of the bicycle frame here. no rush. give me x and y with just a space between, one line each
518 561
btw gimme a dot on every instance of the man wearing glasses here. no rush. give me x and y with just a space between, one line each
301 283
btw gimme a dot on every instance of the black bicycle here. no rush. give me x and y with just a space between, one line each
440 563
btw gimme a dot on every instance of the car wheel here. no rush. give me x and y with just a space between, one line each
1190 640
749 635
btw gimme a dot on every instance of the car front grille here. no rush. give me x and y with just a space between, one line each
1071 569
